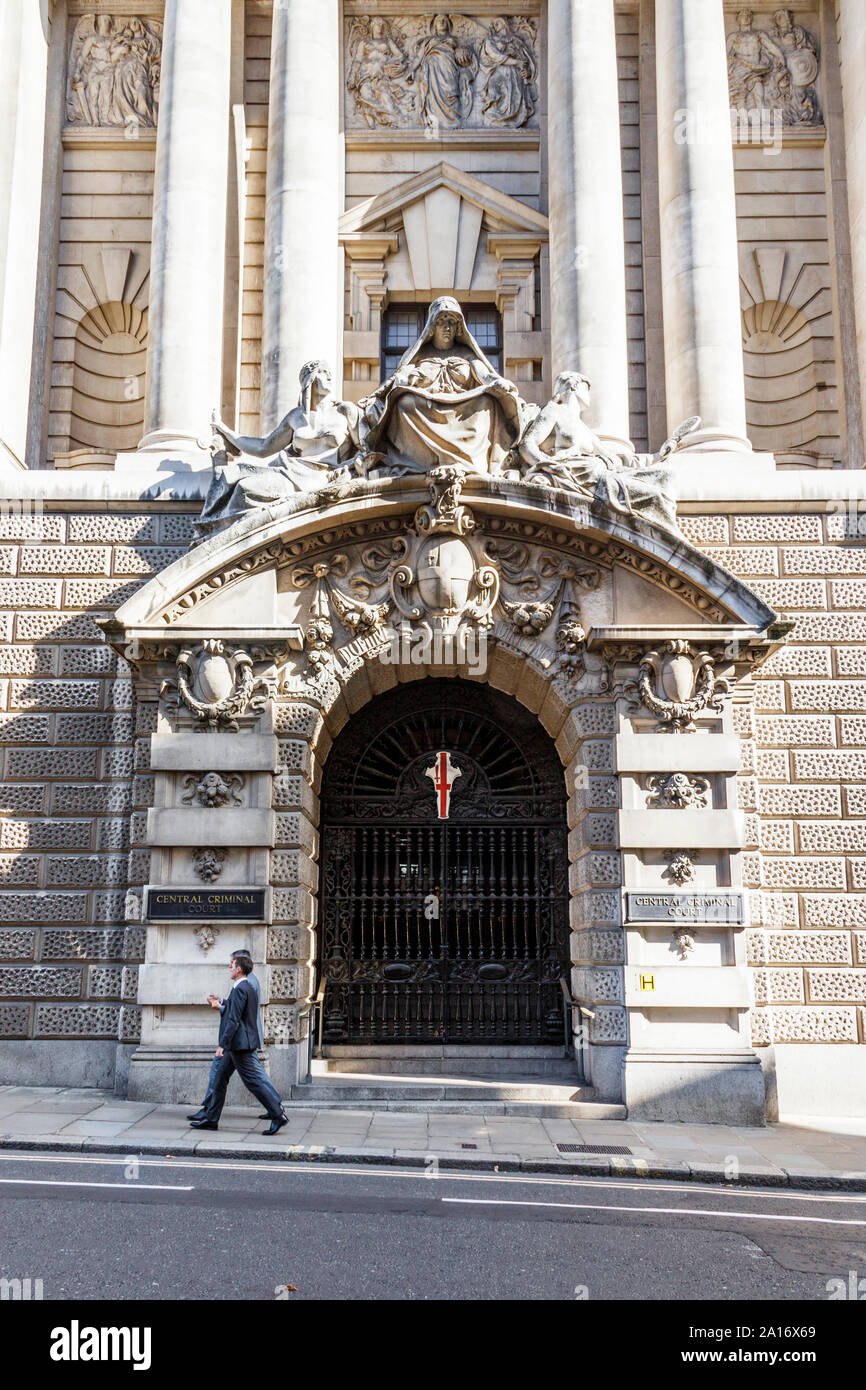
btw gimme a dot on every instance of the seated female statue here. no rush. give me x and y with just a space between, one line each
560 450
319 437
445 404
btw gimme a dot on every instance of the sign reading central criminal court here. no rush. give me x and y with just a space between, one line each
243 904
685 907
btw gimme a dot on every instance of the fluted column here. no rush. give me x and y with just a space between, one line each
23 69
185 342
700 269
587 240
303 288
852 47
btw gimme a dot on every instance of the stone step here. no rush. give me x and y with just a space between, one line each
545 1068
371 1089
577 1110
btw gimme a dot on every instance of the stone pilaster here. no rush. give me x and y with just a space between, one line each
185 344
587 240
303 284
852 31
700 272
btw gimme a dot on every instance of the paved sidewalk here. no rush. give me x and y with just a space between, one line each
807 1153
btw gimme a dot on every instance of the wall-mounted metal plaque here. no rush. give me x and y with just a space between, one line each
237 904
685 907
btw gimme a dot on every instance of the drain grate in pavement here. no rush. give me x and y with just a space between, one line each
592 1149
467 1146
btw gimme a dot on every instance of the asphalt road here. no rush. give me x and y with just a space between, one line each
96 1228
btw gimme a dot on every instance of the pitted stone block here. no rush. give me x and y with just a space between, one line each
85 660
824 559
297 720
87 943
834 696
802 873
98 593
593 945
293 906
830 627
779 527
851 661
118 762
109 906
144 559
295 756
65 559
143 791
94 728
138 867
801 661
294 793
774 909
104 981
845 594
86 799
43 907
771 764
25 728
703 531
294 867
294 830
94 871
20 870
835 909
592 984
837 985
112 529
846 764
288 983
47 834
112 835
289 943
20 799
800 730
133 943
176 529
46 627
17 944
610 1025
800 801
51 763
832 837
747 794
76 1020
747 560
812 1025
39 982
594 756
27 661
32 593
808 948
31 526
776 836
769 696
129 1025
853 730
284 1024
14 1020
779 986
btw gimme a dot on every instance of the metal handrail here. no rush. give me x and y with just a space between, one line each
569 1003
315 1026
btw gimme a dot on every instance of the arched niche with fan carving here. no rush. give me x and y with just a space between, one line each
789 358
99 390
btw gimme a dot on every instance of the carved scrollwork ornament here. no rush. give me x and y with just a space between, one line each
677 684
218 684
445 512
213 791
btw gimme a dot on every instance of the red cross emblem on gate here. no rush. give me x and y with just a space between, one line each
443 774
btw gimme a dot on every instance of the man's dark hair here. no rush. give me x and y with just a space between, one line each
244 960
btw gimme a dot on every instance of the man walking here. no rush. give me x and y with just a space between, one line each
239 1037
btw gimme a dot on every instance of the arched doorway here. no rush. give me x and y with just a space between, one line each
449 930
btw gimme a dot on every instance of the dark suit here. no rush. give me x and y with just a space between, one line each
239 1036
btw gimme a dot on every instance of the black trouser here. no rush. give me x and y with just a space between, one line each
251 1073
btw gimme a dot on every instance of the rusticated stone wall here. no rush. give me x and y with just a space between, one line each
75 784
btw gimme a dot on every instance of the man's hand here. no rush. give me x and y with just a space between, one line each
219 1052
214 1001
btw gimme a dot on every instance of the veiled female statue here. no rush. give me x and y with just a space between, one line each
444 70
445 404
510 94
560 450
319 437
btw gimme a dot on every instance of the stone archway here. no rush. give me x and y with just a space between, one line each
273 635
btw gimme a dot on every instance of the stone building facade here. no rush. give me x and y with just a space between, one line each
197 198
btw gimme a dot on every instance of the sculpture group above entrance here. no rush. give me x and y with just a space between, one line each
445 406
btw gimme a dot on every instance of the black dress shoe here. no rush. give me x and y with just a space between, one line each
276 1125
204 1124
200 1115
266 1116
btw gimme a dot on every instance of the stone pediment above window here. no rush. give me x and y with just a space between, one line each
442 212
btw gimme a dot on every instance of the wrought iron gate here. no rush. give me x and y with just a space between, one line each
444 930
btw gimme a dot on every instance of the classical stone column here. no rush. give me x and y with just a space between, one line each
185 344
23 68
700 270
587 242
303 285
852 19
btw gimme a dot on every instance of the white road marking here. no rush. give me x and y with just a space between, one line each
656 1211
132 1185
319 1170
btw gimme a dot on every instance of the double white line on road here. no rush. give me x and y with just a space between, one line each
62 1182
654 1211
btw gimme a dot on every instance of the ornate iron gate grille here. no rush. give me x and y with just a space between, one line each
446 931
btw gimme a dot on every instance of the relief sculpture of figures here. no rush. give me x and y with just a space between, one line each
445 404
444 70
317 439
377 73
510 93
774 69
114 72
441 72
559 449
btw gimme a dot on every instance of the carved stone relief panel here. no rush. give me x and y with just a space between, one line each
441 72
774 67
114 71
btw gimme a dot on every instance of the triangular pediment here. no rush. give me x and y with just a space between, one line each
502 212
